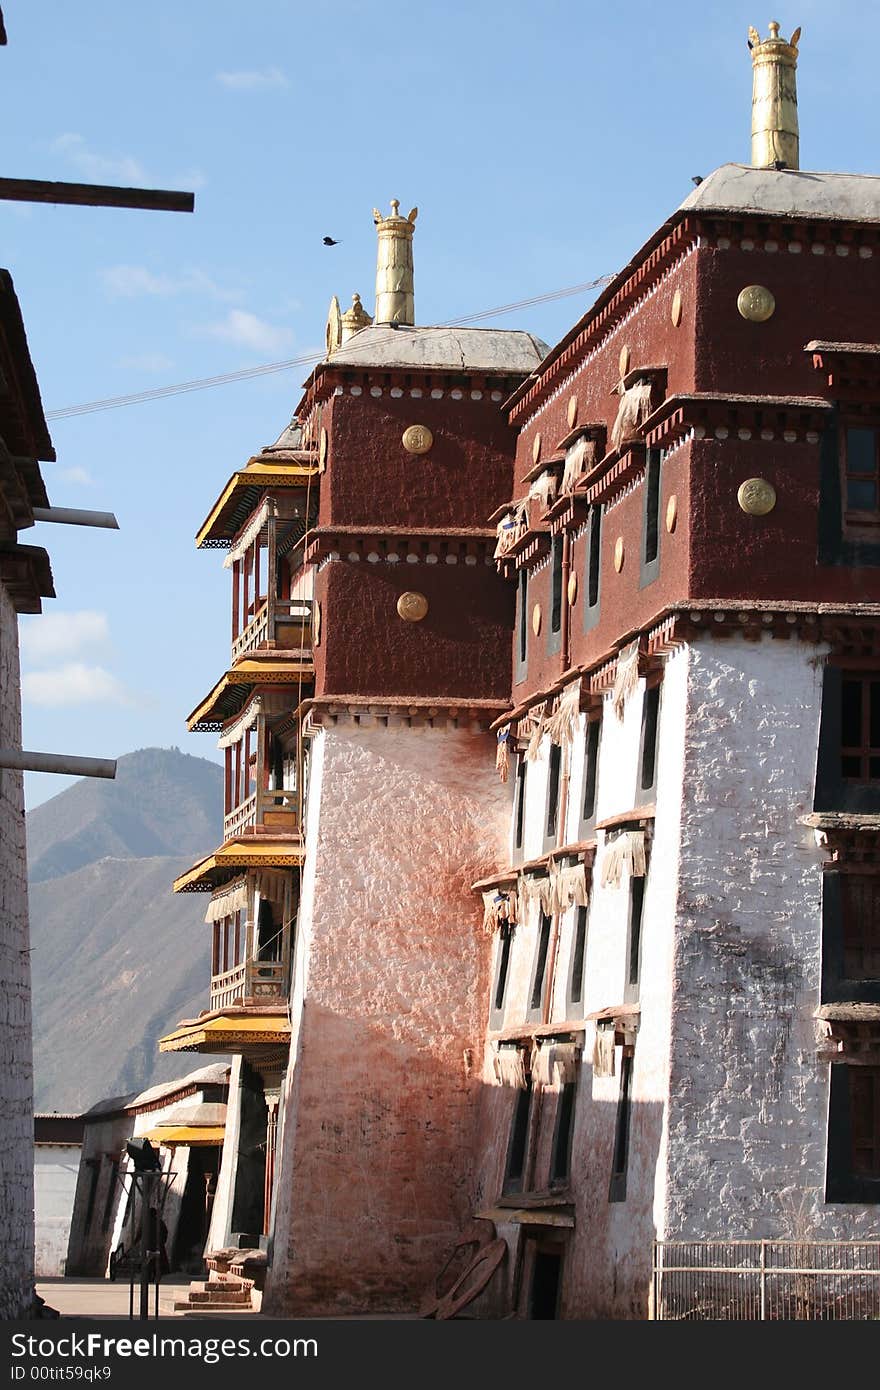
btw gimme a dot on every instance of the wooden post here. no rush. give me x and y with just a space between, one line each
271 1135
236 598
271 565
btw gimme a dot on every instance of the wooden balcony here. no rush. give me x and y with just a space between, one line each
269 812
257 981
286 623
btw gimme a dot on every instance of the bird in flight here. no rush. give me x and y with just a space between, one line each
328 241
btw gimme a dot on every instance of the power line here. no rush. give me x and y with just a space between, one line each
157 393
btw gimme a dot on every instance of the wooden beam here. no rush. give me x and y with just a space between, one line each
95 195
22 761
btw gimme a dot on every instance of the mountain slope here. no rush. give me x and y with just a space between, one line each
117 958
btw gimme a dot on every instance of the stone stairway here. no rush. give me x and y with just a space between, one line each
229 1288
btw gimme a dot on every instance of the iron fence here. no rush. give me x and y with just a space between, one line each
766 1280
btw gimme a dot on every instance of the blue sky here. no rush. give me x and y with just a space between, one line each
542 143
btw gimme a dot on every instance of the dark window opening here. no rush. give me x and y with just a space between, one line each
853 1173
537 996
553 781
860 727
519 1139
861 476
651 547
650 730
864 1087
504 946
634 953
560 1163
522 612
546 1284
860 925
519 814
594 550
578 958
94 1167
621 1133
591 769
556 586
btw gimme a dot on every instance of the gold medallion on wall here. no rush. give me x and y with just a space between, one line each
572 412
756 496
755 303
671 513
412 606
619 554
572 589
675 311
536 619
322 451
417 439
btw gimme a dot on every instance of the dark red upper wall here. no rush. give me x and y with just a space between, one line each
461 649
371 480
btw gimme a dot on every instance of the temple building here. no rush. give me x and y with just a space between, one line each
553 783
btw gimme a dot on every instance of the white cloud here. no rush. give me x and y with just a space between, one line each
132 281
147 362
249 331
81 476
55 635
252 81
73 684
97 166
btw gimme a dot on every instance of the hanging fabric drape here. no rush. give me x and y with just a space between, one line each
543 489
510 528
233 898
534 721
271 884
633 411
626 677
509 1065
570 885
251 531
561 724
603 1048
236 731
579 460
555 1063
502 753
625 852
499 908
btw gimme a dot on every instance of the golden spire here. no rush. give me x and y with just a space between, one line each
774 99
354 319
395 295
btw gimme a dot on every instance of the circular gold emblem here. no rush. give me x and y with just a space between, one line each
412 607
671 513
322 451
755 303
618 554
536 448
675 312
572 589
316 625
536 619
417 439
623 361
756 496
572 411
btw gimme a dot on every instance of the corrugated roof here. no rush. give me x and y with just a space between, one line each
739 188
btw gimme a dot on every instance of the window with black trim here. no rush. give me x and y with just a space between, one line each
648 741
650 567
554 782
592 739
555 626
539 973
502 973
560 1158
518 1144
634 940
851 934
593 575
860 478
620 1156
577 968
522 625
848 770
853 1171
519 803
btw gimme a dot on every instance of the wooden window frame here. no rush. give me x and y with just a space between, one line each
859 523
865 751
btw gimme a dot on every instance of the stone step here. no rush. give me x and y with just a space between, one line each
221 1296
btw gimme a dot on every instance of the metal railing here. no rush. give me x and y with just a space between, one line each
766 1280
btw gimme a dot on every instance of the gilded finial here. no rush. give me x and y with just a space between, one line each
354 319
395 296
775 139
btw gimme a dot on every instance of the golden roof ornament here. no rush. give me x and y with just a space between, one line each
395 292
333 331
354 319
775 141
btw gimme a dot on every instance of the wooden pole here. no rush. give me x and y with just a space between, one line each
96 195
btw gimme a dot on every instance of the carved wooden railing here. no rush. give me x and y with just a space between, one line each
271 617
227 987
241 818
272 810
261 980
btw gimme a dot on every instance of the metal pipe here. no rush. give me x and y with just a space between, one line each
73 516
21 761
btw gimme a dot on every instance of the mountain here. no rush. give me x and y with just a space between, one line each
117 958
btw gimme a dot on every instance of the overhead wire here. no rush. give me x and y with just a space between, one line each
156 393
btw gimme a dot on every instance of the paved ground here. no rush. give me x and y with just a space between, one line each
99 1298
